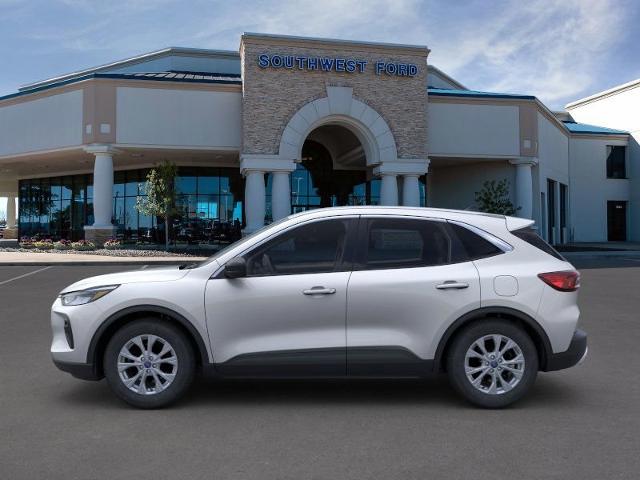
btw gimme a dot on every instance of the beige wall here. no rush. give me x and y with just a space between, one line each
272 96
459 129
170 117
44 123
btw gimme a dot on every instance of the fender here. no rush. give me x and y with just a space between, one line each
97 336
497 312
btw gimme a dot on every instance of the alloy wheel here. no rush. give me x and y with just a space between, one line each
494 364
147 364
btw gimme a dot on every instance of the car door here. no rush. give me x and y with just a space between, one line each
287 316
403 294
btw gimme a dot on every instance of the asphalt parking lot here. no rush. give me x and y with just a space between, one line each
582 423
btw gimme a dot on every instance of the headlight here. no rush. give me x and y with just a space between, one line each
85 296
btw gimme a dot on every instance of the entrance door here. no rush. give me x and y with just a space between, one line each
287 316
617 221
551 211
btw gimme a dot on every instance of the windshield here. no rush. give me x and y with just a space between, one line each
237 243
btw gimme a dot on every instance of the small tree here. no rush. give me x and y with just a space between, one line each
494 198
160 193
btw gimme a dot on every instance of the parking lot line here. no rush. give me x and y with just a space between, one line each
25 275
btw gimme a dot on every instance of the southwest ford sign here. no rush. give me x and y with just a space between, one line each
331 64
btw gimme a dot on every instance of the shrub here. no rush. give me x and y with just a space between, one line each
26 242
62 245
43 244
112 244
83 245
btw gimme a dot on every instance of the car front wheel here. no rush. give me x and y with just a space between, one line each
492 363
149 363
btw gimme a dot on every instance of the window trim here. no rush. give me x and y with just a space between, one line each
359 263
348 260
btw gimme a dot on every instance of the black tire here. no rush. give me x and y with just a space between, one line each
183 351
456 362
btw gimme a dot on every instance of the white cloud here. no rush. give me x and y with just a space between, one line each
554 49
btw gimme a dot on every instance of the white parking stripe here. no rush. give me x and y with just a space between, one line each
25 275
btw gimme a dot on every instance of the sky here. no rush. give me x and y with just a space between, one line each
558 50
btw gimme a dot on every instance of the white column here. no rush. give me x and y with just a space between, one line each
524 186
410 190
103 189
254 199
11 211
389 189
280 195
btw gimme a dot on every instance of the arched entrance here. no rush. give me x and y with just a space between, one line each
333 151
332 171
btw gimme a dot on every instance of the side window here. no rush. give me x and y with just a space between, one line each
405 243
467 245
316 247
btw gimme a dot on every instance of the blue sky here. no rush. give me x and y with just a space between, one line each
557 50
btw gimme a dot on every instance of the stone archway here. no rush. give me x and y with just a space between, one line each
340 108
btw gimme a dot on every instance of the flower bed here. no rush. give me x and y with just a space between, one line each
83 245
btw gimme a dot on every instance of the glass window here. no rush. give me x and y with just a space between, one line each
529 235
119 179
405 243
467 245
186 184
616 161
312 248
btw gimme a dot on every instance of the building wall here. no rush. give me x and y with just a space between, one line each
553 163
455 186
166 117
590 189
620 110
271 96
459 129
50 122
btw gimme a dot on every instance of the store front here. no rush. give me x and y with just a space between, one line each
209 207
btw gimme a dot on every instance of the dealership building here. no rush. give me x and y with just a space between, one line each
290 123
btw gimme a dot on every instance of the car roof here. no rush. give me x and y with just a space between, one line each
479 219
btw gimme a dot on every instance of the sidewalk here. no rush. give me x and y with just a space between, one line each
32 258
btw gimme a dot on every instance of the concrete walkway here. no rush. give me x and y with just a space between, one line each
33 258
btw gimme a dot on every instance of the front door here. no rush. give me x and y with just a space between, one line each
617 221
403 293
287 317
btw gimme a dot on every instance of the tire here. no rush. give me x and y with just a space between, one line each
500 381
155 381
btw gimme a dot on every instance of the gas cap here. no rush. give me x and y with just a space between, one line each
505 285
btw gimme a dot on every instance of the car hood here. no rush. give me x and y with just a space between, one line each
169 274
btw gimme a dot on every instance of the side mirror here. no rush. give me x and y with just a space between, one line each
235 268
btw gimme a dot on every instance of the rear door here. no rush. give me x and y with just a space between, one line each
404 292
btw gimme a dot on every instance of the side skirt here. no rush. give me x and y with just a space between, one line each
362 362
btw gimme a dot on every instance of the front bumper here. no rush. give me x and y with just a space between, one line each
83 371
575 354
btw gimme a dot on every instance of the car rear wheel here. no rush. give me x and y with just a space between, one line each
149 363
492 363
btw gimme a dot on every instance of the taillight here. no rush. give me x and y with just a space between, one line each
568 281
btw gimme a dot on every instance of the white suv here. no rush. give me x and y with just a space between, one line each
336 292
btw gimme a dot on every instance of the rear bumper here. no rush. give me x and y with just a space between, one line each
83 371
576 352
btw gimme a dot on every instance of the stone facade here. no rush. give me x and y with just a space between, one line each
272 96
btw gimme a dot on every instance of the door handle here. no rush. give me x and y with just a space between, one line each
452 285
319 291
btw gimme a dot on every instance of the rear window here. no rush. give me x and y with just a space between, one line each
467 246
530 236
